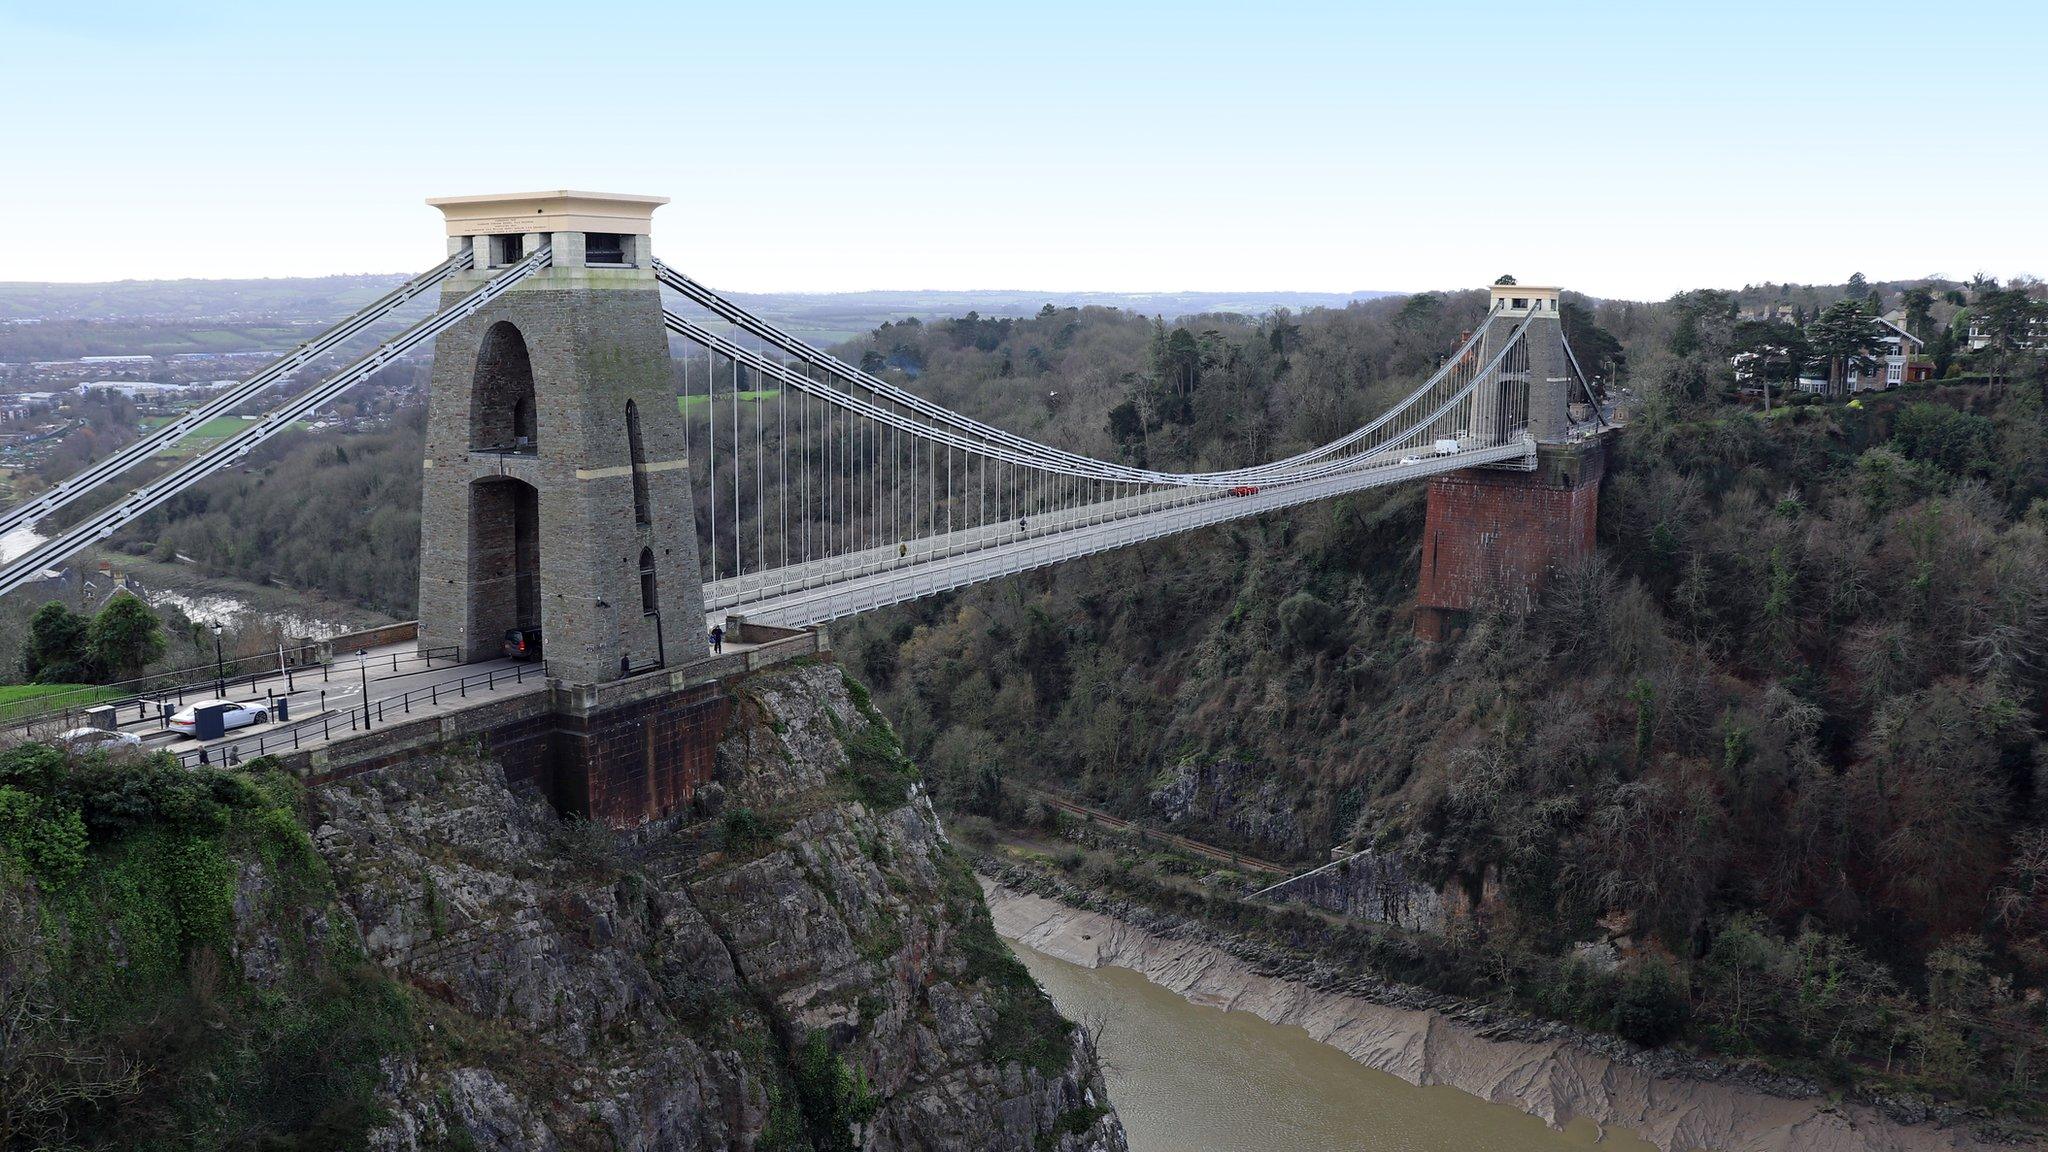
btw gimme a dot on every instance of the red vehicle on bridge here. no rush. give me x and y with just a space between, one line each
1245 490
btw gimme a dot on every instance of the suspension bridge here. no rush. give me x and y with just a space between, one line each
618 456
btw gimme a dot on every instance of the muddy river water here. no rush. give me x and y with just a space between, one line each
1191 1078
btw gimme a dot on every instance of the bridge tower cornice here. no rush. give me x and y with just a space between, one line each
599 239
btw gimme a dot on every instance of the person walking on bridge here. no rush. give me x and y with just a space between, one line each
717 638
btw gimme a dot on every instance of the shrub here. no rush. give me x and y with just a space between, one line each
743 829
1311 623
47 837
1652 1007
833 1096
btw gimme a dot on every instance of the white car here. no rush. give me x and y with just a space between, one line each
236 716
1411 459
96 739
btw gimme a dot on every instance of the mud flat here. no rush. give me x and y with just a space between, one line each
1557 1080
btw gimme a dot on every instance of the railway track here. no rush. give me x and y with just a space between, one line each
1238 860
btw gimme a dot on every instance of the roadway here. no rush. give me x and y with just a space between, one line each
326 701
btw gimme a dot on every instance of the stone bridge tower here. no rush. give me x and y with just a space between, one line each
1499 533
555 493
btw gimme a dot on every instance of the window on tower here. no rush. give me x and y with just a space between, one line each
604 249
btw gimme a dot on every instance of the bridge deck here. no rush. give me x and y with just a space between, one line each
326 701
880 577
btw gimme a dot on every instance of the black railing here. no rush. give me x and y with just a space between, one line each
328 725
159 702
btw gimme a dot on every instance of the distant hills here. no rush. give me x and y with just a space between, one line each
824 316
835 316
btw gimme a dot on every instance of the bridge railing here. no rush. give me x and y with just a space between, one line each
360 718
168 691
916 551
845 598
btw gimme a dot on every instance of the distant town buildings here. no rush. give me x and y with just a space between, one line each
135 389
1897 361
1776 313
2036 337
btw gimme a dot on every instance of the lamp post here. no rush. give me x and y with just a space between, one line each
363 665
220 684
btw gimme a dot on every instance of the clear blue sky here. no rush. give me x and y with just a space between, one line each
1624 148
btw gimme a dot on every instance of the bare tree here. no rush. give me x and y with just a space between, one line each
1099 1025
49 1067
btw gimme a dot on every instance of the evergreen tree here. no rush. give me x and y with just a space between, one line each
56 648
1919 308
1841 336
124 637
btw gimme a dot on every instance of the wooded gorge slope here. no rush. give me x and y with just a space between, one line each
1782 735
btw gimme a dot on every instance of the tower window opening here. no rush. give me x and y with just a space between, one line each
505 250
604 248
637 451
1521 303
650 600
522 423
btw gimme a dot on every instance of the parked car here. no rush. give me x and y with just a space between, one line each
1245 490
96 739
236 716
522 643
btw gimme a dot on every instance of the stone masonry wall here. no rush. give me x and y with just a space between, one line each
591 348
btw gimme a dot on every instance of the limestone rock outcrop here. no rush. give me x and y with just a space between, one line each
814 954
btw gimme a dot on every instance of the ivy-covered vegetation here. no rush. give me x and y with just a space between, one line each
877 773
128 1022
1028 1029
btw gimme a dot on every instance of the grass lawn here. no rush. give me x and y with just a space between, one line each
208 434
688 403
19 700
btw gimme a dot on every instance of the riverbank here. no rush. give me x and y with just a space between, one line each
209 598
1547 1072
1194 1078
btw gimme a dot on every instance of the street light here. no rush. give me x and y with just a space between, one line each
363 665
220 684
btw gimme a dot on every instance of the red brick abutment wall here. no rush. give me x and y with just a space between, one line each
1494 533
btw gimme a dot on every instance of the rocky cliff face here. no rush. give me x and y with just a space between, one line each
1249 805
806 963
1381 887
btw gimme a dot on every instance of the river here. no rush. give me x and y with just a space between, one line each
205 607
18 541
1189 1078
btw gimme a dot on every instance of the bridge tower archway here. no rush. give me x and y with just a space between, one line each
502 413
504 546
555 449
